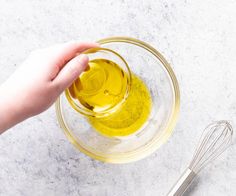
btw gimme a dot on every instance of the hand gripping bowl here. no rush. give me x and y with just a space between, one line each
149 65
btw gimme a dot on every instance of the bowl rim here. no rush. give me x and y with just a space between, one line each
156 142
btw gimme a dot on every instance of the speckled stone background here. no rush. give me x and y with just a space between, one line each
198 38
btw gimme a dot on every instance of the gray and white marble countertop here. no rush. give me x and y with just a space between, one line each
198 38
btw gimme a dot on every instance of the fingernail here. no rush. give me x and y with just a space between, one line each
83 58
83 61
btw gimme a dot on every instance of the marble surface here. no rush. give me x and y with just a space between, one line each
198 38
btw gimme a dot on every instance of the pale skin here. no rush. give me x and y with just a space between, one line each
41 78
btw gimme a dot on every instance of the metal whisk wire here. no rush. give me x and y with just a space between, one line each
215 139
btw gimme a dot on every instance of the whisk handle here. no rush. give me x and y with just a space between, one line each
182 184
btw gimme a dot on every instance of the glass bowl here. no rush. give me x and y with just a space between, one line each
149 65
101 53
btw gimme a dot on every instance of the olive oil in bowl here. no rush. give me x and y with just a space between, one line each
131 115
106 88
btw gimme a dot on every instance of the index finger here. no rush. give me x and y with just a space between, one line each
62 53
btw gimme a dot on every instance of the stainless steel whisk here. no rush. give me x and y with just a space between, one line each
215 139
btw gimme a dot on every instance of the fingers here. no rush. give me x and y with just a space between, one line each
62 53
71 71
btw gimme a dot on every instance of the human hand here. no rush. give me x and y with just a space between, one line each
38 82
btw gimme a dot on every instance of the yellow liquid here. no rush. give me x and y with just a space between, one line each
101 87
130 117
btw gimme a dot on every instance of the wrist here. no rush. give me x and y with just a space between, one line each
11 110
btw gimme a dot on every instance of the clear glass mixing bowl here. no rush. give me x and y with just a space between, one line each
147 63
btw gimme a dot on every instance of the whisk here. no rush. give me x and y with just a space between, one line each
215 139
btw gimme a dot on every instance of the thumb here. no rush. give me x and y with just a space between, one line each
71 71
